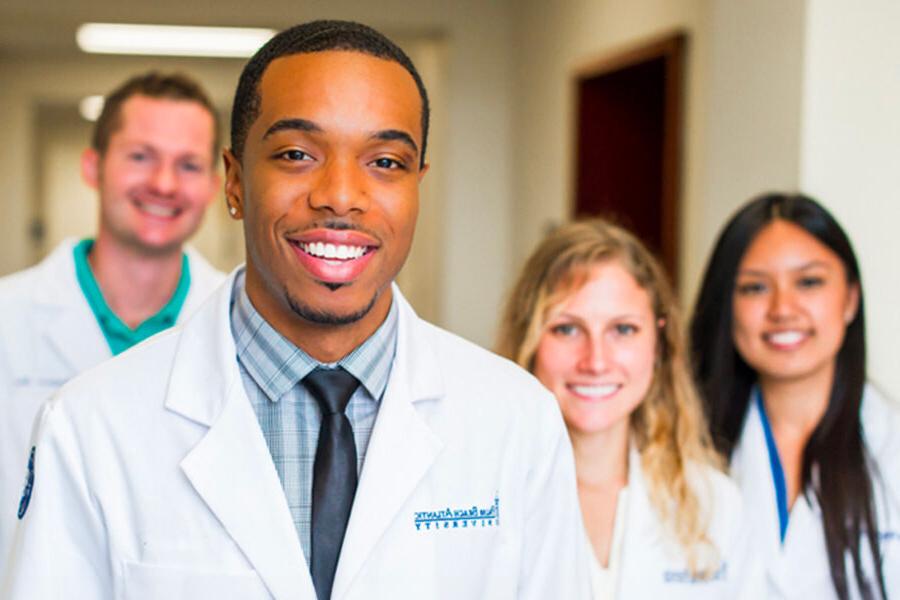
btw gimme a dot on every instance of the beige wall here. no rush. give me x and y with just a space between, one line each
851 152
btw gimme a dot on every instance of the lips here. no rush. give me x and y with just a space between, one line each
159 210
594 391
786 339
334 256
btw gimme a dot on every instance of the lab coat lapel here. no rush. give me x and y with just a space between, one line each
70 327
231 468
401 450
751 469
642 536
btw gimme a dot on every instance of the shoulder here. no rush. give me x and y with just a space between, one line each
721 500
486 393
204 276
128 385
880 418
473 367
23 284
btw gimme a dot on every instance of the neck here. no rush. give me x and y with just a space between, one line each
797 404
135 285
601 459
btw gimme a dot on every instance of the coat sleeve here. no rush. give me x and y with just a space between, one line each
554 554
60 548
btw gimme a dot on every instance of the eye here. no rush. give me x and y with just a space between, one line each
191 167
388 163
810 282
294 155
137 156
625 329
750 288
564 330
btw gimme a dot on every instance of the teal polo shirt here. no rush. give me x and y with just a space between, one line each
120 336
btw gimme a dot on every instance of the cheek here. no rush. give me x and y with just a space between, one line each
400 212
552 363
747 319
829 318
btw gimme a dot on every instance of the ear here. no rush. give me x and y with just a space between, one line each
90 167
234 190
852 305
423 170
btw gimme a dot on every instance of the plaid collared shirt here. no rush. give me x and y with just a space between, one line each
272 369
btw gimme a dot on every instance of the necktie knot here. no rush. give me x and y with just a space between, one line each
331 388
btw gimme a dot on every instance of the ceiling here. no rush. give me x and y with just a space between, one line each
48 26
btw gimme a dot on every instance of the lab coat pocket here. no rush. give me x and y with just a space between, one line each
145 582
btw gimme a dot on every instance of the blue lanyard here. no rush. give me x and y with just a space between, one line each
777 469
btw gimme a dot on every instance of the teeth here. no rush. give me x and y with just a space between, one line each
595 391
157 210
786 338
333 251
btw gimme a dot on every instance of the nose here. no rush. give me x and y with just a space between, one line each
164 180
781 304
339 189
594 356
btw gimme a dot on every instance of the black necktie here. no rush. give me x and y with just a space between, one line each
334 474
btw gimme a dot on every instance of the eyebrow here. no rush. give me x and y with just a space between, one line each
390 135
386 135
292 125
803 267
620 317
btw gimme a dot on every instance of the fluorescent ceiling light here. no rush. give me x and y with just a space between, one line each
90 107
171 40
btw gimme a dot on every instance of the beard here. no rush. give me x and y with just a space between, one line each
326 317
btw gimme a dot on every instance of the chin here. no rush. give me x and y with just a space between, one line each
329 315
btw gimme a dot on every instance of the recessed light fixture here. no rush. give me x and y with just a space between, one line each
90 107
171 40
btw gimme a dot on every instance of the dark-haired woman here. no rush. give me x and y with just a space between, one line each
779 348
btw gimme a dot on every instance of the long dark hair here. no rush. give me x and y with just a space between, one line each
836 452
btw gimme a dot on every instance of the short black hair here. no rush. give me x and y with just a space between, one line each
315 36
152 84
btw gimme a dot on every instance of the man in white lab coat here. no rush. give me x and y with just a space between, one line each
305 435
152 162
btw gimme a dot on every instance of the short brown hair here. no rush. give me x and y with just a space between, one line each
153 84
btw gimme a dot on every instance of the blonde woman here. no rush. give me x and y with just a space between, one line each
593 317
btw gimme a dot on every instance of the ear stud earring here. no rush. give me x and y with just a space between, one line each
232 210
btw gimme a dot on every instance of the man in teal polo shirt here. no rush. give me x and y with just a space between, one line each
152 162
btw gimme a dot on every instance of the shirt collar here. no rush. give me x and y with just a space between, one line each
118 335
277 365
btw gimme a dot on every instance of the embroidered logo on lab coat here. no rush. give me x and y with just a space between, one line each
685 576
459 518
29 485
888 536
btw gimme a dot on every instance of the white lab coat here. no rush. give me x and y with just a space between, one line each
48 334
153 480
653 566
798 569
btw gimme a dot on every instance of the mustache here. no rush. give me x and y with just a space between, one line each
336 225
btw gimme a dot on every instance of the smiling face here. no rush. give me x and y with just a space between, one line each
598 350
156 177
328 189
791 304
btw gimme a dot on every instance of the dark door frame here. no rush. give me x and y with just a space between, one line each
671 47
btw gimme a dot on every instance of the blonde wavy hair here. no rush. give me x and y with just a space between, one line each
668 427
